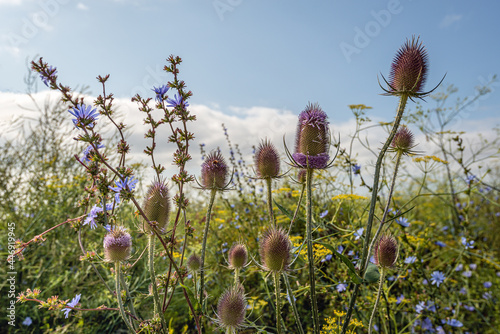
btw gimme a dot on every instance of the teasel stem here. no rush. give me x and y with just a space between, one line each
380 285
386 210
292 302
310 253
297 209
236 277
119 296
204 245
156 297
278 303
270 201
130 302
373 203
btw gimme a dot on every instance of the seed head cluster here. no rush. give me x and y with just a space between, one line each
267 160
409 68
117 245
157 206
231 308
275 247
214 172
386 251
238 256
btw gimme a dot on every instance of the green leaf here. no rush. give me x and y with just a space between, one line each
288 213
192 297
372 275
352 271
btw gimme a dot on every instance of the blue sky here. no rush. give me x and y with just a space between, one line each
241 53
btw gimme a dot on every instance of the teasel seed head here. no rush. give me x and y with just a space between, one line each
214 172
301 176
267 160
117 245
238 256
231 308
386 251
409 69
157 206
403 141
194 263
275 247
312 140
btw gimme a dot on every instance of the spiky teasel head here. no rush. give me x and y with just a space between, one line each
117 245
214 172
386 251
238 256
312 140
157 207
267 160
403 142
194 263
231 308
274 248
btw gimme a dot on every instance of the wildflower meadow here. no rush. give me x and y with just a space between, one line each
299 236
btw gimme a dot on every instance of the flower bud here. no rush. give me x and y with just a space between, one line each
194 263
267 160
117 245
403 141
157 206
275 247
214 172
386 251
238 256
231 308
302 175
409 68
312 139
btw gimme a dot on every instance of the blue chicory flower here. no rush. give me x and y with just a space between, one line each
437 277
403 222
410 259
85 116
72 303
160 92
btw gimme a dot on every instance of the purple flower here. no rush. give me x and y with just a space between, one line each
126 185
459 267
437 277
440 330
467 244
487 295
328 257
470 179
473 266
487 285
92 216
359 233
356 169
463 291
46 78
177 101
426 324
467 273
454 323
420 307
160 92
403 222
27 321
410 259
469 308
214 172
72 303
85 116
341 287
400 299
323 214
440 244
88 151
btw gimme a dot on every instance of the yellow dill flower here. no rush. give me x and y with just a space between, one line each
219 220
339 314
348 197
176 255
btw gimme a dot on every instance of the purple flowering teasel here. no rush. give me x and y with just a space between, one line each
214 172
312 139
117 245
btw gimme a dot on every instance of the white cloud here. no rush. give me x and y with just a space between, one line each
450 19
10 2
82 6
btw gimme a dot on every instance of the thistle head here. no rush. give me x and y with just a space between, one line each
238 256
267 160
231 308
386 251
312 139
409 69
214 172
157 206
403 141
117 245
274 248
194 263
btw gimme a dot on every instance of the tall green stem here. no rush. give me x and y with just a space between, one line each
297 209
119 296
386 210
292 302
270 201
381 283
402 104
278 304
310 253
204 245
156 297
